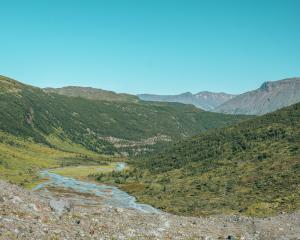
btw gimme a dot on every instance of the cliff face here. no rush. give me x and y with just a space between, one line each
268 98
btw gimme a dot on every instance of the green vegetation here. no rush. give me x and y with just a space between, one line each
33 113
21 159
82 172
40 129
251 168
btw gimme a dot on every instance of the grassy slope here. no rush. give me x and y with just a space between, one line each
83 172
21 159
252 168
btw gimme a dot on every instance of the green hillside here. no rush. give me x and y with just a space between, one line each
101 126
39 129
251 168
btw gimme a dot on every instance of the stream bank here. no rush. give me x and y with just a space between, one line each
88 193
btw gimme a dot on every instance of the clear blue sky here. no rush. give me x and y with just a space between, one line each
150 46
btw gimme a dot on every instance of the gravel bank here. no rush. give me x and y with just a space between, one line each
26 215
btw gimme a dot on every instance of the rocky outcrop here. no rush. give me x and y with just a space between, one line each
25 215
268 98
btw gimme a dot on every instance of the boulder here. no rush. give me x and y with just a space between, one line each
60 206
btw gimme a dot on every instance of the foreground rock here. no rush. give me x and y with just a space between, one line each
60 206
25 215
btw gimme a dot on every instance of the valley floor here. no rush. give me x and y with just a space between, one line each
26 215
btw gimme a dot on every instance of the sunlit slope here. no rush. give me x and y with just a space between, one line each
21 159
251 168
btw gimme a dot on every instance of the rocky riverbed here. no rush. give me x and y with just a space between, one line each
27 215
80 191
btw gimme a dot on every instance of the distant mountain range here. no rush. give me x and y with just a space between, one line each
268 98
204 100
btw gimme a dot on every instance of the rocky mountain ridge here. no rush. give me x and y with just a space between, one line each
272 95
204 100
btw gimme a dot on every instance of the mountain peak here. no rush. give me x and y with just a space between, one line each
204 100
186 94
268 85
271 96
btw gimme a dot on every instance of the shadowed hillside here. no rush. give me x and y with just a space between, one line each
101 126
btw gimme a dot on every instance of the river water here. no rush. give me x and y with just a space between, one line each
110 195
